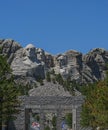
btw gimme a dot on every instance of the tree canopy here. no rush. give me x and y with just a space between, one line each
8 93
95 109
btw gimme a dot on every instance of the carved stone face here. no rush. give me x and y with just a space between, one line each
61 60
29 51
40 54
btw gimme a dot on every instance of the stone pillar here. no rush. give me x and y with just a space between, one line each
27 119
59 119
19 123
76 118
42 119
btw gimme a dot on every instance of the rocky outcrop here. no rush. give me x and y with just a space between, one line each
69 64
23 61
31 62
9 48
94 65
26 63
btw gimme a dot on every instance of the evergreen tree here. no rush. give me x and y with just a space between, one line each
8 93
40 80
54 120
95 109
47 128
59 79
48 77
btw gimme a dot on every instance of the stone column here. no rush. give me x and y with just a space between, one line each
42 119
19 123
76 118
27 119
59 119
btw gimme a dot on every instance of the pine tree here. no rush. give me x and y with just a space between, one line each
48 77
95 109
8 93
59 79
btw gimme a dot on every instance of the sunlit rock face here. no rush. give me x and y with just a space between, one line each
94 65
32 62
8 48
40 54
49 60
69 64
25 63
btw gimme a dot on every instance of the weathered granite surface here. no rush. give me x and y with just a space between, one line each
82 68
49 89
26 63
23 61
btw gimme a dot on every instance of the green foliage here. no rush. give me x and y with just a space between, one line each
86 116
0 50
69 119
48 77
59 79
69 85
95 109
47 128
40 80
54 120
36 117
23 90
52 72
8 92
4 67
66 83
53 80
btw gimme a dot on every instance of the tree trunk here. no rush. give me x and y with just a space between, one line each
0 125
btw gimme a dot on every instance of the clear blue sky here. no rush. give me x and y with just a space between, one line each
56 25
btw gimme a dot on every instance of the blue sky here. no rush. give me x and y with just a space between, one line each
56 25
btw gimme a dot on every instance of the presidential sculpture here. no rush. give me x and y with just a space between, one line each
25 63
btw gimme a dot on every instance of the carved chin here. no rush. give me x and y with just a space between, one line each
27 61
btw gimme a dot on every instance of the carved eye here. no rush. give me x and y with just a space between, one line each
27 49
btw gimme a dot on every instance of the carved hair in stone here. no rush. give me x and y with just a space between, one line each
29 51
29 55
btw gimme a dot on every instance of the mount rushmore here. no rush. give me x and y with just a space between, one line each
30 62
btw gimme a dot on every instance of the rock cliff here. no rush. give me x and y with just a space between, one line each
31 63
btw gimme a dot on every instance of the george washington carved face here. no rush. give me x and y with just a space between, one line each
29 51
29 55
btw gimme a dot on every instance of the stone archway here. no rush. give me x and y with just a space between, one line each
54 104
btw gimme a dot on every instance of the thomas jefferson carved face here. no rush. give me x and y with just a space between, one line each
29 51
40 54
